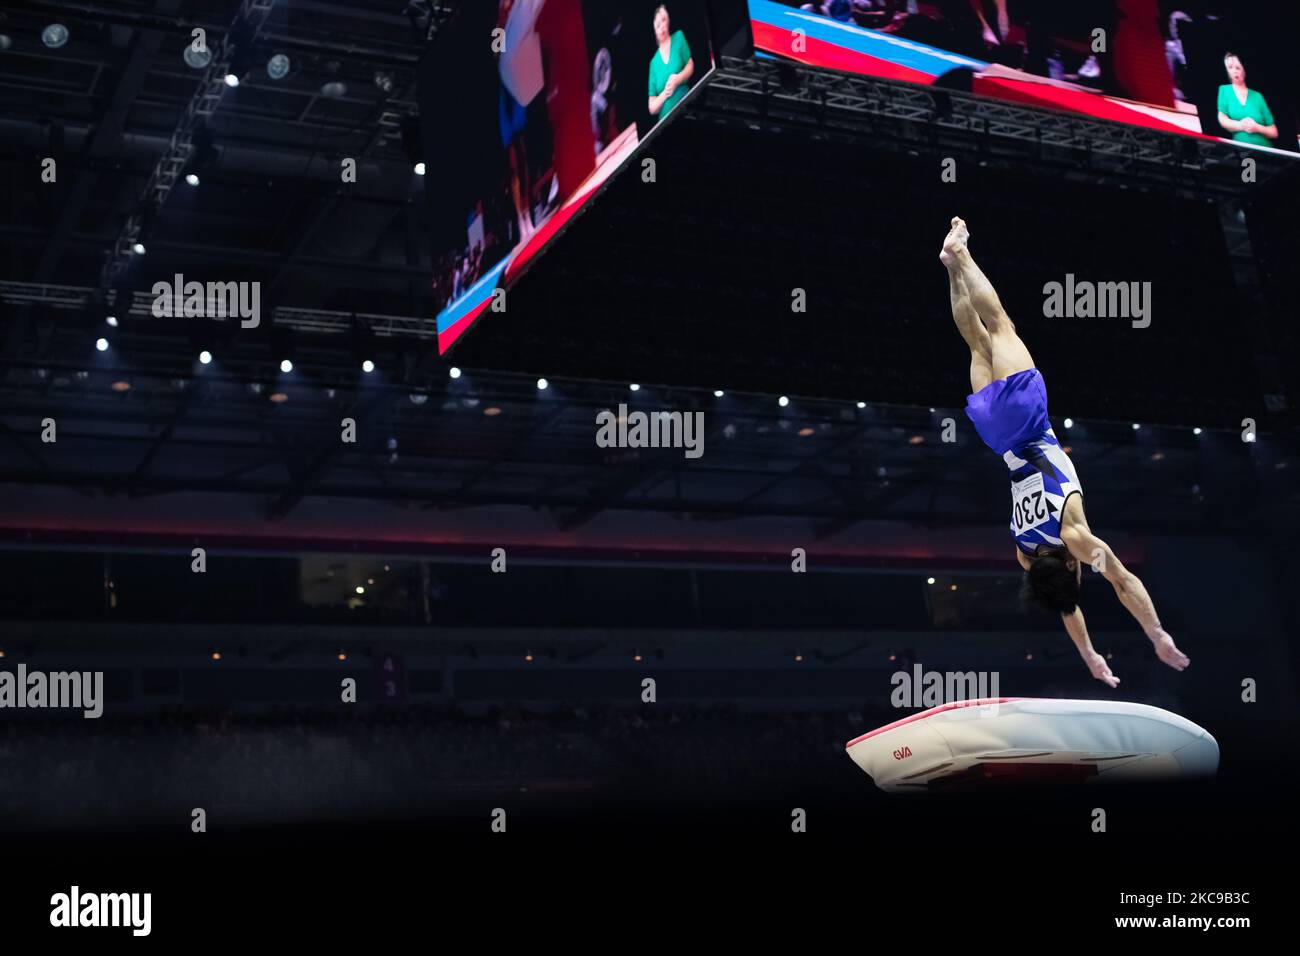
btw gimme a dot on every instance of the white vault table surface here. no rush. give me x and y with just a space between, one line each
969 742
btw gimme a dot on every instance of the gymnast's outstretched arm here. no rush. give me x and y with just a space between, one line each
1077 628
1089 549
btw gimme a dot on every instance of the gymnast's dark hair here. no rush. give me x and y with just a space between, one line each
1050 585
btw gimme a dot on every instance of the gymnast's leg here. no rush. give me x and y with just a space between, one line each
972 331
1008 354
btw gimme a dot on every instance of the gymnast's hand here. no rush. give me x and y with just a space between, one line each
1100 669
1166 650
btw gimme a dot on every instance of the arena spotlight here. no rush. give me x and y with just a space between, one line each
197 59
454 372
277 68
137 247
783 401
231 80
367 366
1136 426
54 36
634 387
101 345
929 580
1069 423
861 405
205 357
718 393
419 169
1196 430
112 321
192 178
286 366
542 384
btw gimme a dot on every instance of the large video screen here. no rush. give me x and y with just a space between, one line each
527 107
1220 70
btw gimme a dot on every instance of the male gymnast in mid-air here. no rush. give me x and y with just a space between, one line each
1008 406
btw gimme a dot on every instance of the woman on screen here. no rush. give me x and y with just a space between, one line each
1242 111
671 68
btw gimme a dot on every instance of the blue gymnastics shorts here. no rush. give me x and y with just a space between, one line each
1010 412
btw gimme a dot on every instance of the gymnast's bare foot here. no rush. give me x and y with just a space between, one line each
955 243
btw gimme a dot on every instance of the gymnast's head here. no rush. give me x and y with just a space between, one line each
1052 582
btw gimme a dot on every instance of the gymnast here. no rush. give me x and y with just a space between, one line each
1009 409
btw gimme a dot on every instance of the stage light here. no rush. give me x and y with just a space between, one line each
718 393
342 656
932 411
286 366
367 366
101 345
634 387
1069 423
862 405
929 580
333 89
138 247
542 384
418 398
1196 431
277 68
492 411
360 589
197 59
112 321
783 401
216 655
279 398
1136 426
454 372
232 80
54 36
192 178
529 657
205 357
419 169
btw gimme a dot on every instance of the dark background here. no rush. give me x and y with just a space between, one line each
325 823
